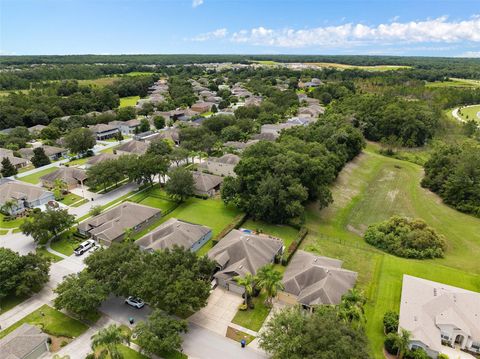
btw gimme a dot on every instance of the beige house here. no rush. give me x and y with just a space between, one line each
221 166
133 147
22 196
438 315
312 280
111 225
239 253
52 152
25 342
103 131
17 162
100 158
175 232
71 176
202 107
206 184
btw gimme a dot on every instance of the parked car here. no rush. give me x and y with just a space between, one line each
135 302
84 247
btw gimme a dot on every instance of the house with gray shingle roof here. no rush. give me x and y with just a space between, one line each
312 280
111 225
52 152
175 232
24 195
133 147
71 176
239 253
25 342
221 166
206 184
437 314
103 131
17 162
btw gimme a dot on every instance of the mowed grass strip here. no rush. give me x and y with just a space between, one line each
52 322
370 189
129 101
470 113
34 178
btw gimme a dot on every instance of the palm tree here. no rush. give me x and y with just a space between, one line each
402 342
270 280
351 307
109 338
249 283
9 206
59 187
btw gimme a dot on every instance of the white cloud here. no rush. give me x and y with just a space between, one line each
216 34
430 30
471 54
196 3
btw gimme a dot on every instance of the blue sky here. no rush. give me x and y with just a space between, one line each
396 27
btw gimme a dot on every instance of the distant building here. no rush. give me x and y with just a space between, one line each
22 196
100 158
239 146
175 232
206 184
71 176
126 127
25 342
103 131
221 166
133 147
202 107
111 225
35 130
17 162
52 152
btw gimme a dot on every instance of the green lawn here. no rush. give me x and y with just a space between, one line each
79 203
286 233
371 189
34 178
9 302
455 82
100 82
129 101
52 322
43 251
10 224
253 318
66 243
470 113
70 198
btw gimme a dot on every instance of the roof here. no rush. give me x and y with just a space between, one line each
49 150
239 253
36 128
266 136
69 175
134 146
205 182
240 145
20 191
5 153
425 305
13 160
173 232
100 158
228 159
317 280
21 342
101 127
112 224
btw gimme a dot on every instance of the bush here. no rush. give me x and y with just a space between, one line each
390 345
443 356
390 322
404 237
292 248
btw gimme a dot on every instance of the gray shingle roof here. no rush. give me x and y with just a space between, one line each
204 182
69 175
239 253
134 146
19 190
173 232
21 342
317 280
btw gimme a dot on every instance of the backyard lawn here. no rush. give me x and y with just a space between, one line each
253 318
52 322
129 101
371 189
34 178
286 233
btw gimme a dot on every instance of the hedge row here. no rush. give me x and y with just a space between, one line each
235 224
292 248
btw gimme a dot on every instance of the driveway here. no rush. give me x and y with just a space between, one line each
18 242
116 309
221 308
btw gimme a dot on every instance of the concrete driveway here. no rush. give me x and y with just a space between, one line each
221 308
116 309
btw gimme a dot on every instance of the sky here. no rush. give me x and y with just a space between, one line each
369 27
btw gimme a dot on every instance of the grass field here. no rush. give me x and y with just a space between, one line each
100 82
34 178
129 101
253 318
371 189
455 82
470 113
366 68
52 322
66 243
286 233
70 198
10 224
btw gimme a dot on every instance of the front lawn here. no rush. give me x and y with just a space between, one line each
66 243
52 322
34 178
10 224
70 198
43 251
286 233
253 318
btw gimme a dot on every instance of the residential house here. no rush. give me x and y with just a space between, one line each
133 147
239 253
25 342
35 130
126 127
276 128
103 131
266 136
22 196
171 134
71 176
17 162
301 121
100 158
111 225
201 107
312 280
221 166
175 232
239 146
206 184
52 152
438 315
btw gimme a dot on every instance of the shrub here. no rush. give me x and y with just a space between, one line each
292 248
390 345
404 237
390 322
443 356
